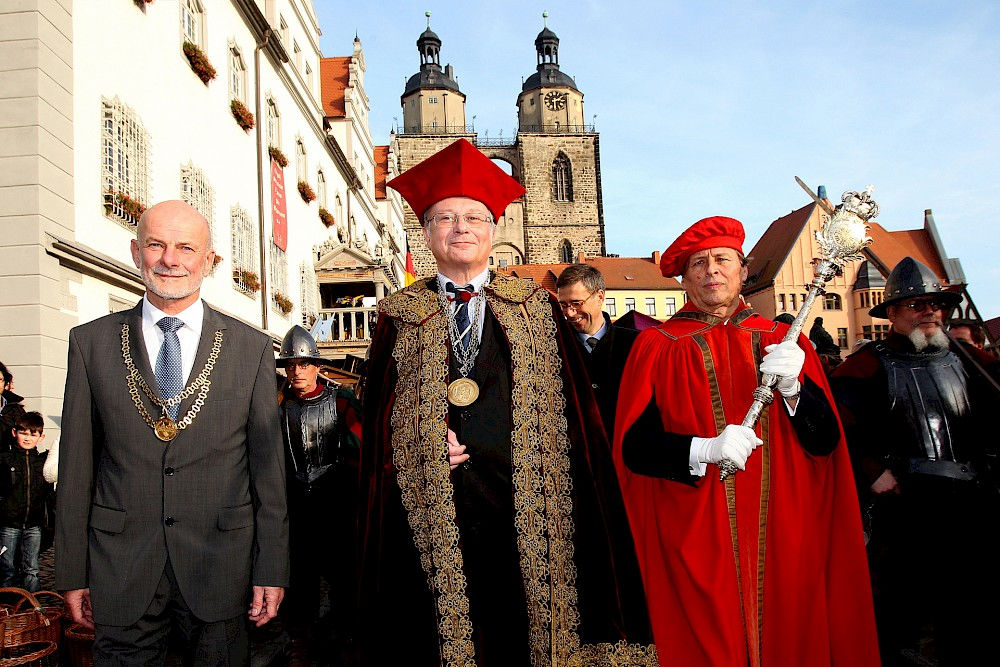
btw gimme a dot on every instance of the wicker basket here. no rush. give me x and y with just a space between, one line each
37 654
24 620
80 646
52 606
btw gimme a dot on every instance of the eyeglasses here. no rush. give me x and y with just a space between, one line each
450 219
920 305
576 304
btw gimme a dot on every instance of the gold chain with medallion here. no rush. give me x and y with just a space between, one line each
165 428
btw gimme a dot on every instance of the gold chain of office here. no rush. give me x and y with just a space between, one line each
165 428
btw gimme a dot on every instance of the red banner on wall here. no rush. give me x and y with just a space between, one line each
279 216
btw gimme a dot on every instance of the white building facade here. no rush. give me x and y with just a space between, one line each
110 107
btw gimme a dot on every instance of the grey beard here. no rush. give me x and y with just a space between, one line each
921 341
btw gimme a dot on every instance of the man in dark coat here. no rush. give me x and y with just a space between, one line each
493 532
580 290
11 409
917 413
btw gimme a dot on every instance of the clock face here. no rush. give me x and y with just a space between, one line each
555 101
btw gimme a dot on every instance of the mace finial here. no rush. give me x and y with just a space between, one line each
545 19
428 15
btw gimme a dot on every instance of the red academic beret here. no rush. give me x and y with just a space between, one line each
458 170
714 232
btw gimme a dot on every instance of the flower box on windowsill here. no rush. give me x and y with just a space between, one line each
326 217
242 115
277 156
199 62
128 209
307 192
247 279
284 304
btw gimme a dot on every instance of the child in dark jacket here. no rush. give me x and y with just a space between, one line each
24 495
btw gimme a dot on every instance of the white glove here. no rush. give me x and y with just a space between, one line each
734 443
785 361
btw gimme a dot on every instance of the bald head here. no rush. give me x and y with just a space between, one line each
173 251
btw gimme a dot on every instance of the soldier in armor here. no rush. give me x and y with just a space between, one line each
916 411
321 430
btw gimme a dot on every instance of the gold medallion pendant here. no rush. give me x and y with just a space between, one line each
463 392
165 428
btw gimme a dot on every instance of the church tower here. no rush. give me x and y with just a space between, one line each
432 101
560 163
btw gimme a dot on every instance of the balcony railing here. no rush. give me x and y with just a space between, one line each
558 129
439 129
345 325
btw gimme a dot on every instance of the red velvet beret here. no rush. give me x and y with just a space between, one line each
458 170
714 232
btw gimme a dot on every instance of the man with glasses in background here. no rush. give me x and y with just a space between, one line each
918 419
580 290
493 532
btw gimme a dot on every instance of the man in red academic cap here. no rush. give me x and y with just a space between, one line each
493 530
767 567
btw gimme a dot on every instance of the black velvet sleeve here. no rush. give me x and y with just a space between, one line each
647 449
814 420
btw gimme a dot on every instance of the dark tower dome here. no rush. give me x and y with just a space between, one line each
548 74
430 75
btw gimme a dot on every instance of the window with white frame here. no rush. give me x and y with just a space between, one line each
296 55
124 163
609 304
310 294
283 31
300 160
321 188
246 276
237 75
192 21
629 303
671 304
197 191
279 276
651 305
309 77
272 123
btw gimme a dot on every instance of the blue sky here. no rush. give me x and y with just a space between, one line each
712 108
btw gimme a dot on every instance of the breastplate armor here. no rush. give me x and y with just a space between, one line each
929 400
311 435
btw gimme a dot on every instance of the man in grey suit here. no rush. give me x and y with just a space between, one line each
171 471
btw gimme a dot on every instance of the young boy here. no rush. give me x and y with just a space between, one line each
23 497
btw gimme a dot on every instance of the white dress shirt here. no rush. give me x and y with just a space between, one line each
189 335
477 302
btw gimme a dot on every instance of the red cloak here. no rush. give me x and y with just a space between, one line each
768 568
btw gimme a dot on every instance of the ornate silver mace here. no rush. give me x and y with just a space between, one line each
842 237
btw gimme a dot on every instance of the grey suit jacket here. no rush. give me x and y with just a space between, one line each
212 500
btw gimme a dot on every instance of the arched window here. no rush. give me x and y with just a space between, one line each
321 188
300 160
566 252
562 178
832 302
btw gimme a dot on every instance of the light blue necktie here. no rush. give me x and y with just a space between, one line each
169 373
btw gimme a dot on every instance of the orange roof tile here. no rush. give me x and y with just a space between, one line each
770 252
889 248
381 169
334 77
543 274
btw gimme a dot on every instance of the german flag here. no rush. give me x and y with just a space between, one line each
411 274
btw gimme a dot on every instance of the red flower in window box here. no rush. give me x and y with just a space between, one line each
307 192
242 115
284 304
131 208
249 279
326 217
277 156
199 62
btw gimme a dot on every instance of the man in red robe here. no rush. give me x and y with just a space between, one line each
493 532
767 567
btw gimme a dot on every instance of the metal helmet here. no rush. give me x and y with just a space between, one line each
910 279
298 343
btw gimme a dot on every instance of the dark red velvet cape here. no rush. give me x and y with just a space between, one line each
798 592
397 617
